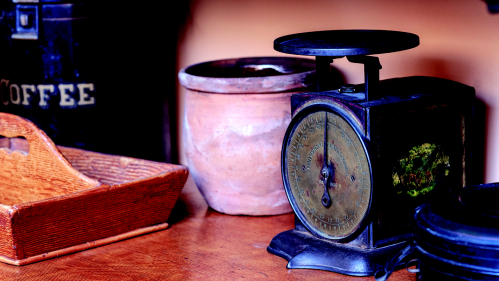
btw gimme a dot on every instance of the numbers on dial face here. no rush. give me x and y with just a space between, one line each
344 174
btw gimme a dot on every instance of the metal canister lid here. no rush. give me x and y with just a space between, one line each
456 237
461 233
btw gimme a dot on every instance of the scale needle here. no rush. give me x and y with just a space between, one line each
326 200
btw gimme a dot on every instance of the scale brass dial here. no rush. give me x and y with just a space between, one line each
327 174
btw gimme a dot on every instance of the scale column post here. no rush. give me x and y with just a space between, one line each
323 72
325 81
371 74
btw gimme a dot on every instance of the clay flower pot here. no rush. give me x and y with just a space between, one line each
236 115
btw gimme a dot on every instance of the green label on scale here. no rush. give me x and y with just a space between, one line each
418 172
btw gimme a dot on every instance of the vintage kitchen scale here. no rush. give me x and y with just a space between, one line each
386 148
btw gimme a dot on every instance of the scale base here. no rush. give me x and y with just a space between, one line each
304 250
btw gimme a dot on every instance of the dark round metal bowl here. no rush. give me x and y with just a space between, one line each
455 238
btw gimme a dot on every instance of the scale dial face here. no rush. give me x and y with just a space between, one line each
329 186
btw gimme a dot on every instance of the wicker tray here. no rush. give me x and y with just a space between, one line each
58 200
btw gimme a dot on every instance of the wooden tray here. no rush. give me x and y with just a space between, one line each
58 200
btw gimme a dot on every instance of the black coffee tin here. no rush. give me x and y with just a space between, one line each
91 74
48 70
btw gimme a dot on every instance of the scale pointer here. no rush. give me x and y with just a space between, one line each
326 200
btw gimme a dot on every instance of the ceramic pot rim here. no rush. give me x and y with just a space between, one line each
301 72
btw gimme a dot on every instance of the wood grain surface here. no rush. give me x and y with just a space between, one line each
200 244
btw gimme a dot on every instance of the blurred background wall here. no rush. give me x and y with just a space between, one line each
459 40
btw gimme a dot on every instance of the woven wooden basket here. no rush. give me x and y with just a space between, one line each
56 200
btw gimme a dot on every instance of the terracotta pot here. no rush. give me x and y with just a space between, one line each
234 124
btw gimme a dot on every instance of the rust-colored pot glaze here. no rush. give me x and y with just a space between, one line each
233 130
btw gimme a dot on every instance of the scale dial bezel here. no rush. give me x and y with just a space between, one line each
299 116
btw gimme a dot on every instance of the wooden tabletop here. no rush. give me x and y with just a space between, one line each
200 244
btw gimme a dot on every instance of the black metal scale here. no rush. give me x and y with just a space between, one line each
358 159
